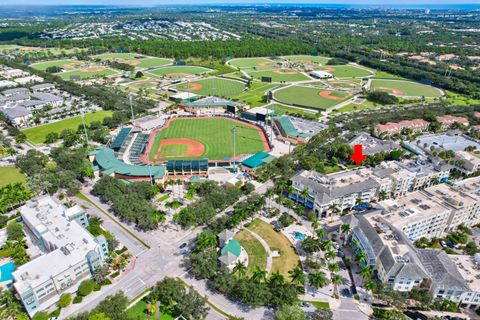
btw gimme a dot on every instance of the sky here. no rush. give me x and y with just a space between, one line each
173 2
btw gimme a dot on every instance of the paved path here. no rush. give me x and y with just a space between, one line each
347 310
268 267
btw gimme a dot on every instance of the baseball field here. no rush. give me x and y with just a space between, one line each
67 64
179 71
279 75
306 58
213 86
194 138
405 88
88 73
150 62
114 56
310 97
252 62
346 71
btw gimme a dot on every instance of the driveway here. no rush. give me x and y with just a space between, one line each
348 310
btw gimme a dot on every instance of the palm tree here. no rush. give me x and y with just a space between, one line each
334 209
304 194
276 279
205 240
259 275
330 254
333 267
320 233
345 231
366 272
269 195
382 195
369 286
291 190
297 274
327 244
358 201
152 308
282 186
361 257
240 269
336 280
318 279
435 180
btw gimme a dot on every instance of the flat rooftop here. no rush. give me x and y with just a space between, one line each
446 142
469 271
451 195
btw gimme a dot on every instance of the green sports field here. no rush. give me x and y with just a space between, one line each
10 175
151 62
121 56
213 133
306 58
65 64
37 135
252 62
310 97
87 74
279 75
405 88
179 71
255 96
213 86
346 71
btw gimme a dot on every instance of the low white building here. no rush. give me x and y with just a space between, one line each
71 254
7 84
17 116
320 74
29 79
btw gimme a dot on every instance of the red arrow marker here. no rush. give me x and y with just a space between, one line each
357 155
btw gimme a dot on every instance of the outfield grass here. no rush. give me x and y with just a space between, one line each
122 56
10 175
214 87
255 96
58 63
278 76
308 97
38 134
153 62
277 242
280 110
252 62
189 70
386 75
306 58
257 256
86 74
214 134
139 311
406 88
347 71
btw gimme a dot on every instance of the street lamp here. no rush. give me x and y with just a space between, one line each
83 122
131 106
234 134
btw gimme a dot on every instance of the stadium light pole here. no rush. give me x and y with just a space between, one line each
131 106
84 127
234 133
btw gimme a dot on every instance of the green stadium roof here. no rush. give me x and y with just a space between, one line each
105 159
257 160
120 139
288 128
233 246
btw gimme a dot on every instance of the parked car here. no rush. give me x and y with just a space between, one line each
183 245
305 304
340 254
346 292
443 243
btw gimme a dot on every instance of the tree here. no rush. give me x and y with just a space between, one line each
240 269
286 220
206 239
317 279
101 273
311 245
98 316
382 195
333 208
14 231
322 314
297 275
366 272
292 312
139 74
259 275
86 287
65 300
336 281
361 257
369 286
51 137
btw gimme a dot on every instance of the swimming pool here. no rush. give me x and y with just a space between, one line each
299 236
6 271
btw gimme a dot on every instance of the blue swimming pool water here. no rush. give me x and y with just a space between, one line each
6 271
299 236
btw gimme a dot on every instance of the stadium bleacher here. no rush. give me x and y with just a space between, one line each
138 147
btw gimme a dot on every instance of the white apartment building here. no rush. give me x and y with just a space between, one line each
467 162
71 254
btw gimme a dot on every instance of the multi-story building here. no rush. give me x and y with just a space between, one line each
467 162
448 120
427 173
417 215
71 254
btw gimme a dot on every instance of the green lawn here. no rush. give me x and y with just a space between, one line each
346 71
277 241
405 88
386 75
87 74
36 135
213 86
139 312
319 304
255 95
153 62
71 64
121 56
179 71
306 58
252 62
257 256
214 134
283 75
284 110
309 97
10 175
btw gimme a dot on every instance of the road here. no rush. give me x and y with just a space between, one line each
154 259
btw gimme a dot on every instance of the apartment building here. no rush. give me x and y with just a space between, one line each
417 215
426 172
448 120
70 254
467 162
